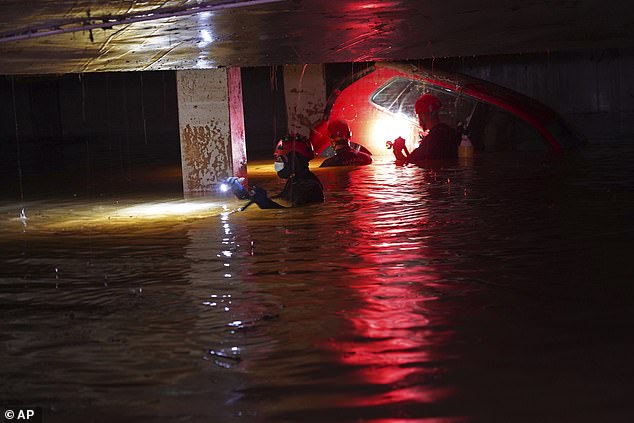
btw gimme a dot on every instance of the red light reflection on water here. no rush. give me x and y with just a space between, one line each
391 339
370 5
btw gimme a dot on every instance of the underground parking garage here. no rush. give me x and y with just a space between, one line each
131 288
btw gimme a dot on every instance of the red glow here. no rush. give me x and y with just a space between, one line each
390 347
319 136
388 128
371 5
365 119
372 127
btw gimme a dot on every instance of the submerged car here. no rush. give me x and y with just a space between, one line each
378 105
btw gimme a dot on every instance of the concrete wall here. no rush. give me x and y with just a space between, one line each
85 133
264 109
594 90
278 100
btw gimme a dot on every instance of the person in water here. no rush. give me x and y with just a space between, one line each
441 142
345 155
292 155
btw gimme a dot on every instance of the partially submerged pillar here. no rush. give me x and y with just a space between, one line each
305 95
211 125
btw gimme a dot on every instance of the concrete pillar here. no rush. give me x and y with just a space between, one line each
305 94
211 125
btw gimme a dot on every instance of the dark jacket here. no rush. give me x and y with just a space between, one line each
441 143
304 188
347 157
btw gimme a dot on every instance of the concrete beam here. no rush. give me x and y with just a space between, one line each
211 126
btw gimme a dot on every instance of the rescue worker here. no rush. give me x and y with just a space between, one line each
292 154
345 155
441 142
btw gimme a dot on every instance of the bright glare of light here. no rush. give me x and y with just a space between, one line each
166 209
376 5
205 39
224 187
203 61
388 128
206 36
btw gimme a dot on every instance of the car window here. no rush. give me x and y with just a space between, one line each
399 95
447 98
492 128
457 108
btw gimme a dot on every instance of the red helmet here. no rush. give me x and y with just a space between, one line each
339 129
294 143
427 103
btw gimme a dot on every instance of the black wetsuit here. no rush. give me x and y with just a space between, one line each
441 143
303 188
347 157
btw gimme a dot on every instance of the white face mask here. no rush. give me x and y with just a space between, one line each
278 166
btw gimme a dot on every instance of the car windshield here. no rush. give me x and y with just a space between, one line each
398 96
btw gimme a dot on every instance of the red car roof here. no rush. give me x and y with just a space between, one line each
526 108
502 97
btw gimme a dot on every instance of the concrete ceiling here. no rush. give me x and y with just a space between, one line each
69 36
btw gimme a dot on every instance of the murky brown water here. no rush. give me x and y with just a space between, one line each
499 291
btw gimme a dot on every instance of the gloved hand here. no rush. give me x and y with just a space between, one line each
258 195
261 198
398 146
237 188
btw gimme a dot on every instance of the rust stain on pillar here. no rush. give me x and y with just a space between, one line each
205 155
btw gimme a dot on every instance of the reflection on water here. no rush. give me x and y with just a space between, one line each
498 290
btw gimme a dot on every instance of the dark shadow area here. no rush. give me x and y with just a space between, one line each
338 73
265 117
87 134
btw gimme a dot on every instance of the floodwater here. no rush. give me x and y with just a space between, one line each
499 290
